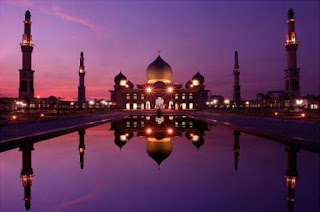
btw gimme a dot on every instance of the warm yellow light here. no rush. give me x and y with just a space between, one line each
123 137
170 89
38 97
81 150
41 115
123 82
149 131
195 138
170 131
14 117
195 83
227 101
81 70
149 89
215 101
303 115
247 102
72 103
276 113
91 102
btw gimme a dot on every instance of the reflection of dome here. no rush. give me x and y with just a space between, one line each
119 142
199 77
119 77
159 70
159 150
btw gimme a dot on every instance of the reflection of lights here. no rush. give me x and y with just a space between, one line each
247 102
195 138
41 115
149 89
123 137
123 82
72 103
170 131
226 101
91 102
81 150
215 101
170 89
276 113
303 115
149 131
170 117
291 182
14 117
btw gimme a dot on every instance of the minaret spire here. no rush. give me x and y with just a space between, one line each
26 90
236 74
81 88
236 149
82 146
292 73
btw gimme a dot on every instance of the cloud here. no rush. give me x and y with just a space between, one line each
63 15
19 3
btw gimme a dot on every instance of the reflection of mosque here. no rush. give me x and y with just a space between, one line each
159 131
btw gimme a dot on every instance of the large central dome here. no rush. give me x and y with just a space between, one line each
159 70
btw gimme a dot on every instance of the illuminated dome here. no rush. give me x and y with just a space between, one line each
119 78
159 150
159 70
198 77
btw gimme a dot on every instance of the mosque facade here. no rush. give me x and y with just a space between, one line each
159 91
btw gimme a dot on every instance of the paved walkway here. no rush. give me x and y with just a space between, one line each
12 134
299 131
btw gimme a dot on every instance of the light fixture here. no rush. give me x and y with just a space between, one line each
149 89
170 131
170 89
226 101
91 102
149 131
303 115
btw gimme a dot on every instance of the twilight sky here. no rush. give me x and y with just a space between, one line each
126 35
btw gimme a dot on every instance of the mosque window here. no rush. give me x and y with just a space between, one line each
135 96
142 96
128 96
23 86
176 96
183 96
190 96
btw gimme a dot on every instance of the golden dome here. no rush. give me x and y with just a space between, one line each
159 70
159 150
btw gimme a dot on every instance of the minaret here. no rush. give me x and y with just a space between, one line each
81 88
82 147
236 74
292 73
26 172
26 90
236 149
291 175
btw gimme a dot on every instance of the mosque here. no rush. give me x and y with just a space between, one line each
159 91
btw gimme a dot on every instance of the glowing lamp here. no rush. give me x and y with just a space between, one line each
195 138
123 82
123 138
215 101
149 131
195 82
81 150
170 131
303 115
170 89
26 180
38 97
247 102
149 89
227 101
41 115
14 117
72 103
276 113
91 102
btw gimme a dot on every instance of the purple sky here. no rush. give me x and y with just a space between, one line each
126 35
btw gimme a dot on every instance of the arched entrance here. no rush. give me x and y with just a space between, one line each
159 103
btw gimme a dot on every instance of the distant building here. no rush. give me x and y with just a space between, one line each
159 91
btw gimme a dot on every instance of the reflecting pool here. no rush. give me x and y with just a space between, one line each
167 163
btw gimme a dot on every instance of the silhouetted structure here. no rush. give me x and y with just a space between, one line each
236 74
236 149
291 174
292 73
82 146
26 172
81 88
159 91
26 90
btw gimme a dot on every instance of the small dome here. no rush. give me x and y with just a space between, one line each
188 84
159 70
130 84
119 77
199 77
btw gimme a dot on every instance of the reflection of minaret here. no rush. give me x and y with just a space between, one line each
236 148
236 74
26 73
81 88
291 175
292 73
82 147
26 172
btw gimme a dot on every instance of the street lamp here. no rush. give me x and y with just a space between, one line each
149 89
170 89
